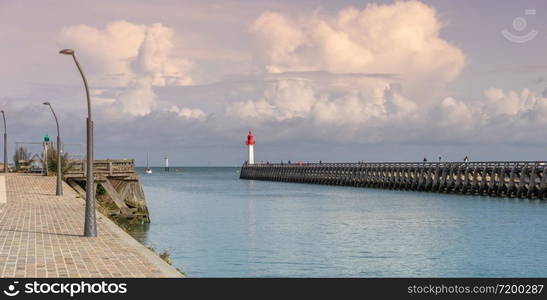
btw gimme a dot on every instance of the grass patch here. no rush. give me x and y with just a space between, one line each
166 256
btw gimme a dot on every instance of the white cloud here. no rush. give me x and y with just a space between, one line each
156 58
138 98
511 103
285 99
189 113
401 38
516 108
109 52
131 58
368 76
374 102
500 116
455 113
100 97
382 113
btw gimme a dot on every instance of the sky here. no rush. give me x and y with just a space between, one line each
336 81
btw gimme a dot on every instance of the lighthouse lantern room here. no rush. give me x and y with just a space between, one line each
250 144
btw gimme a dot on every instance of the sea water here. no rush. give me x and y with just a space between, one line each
217 225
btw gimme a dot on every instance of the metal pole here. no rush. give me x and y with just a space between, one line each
90 228
59 190
90 225
45 159
5 144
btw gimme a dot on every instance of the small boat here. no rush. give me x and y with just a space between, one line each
148 170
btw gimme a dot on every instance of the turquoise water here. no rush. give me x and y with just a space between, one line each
217 225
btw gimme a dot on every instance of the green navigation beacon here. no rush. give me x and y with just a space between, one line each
46 138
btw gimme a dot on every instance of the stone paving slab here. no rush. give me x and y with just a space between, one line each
41 235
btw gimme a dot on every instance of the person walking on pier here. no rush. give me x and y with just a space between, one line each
425 159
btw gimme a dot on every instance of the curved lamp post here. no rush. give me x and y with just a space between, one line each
59 191
5 144
90 226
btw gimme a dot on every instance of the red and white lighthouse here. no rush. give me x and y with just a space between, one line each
250 144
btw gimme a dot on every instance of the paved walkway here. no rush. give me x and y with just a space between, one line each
41 236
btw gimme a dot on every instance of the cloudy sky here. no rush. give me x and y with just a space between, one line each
330 80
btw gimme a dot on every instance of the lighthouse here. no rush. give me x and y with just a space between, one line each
250 144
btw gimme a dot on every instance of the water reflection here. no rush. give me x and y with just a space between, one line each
139 232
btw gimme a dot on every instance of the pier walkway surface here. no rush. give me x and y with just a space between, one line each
41 235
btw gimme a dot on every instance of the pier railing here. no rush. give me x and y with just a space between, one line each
102 168
495 178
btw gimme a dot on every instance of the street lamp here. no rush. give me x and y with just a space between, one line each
5 144
90 225
59 191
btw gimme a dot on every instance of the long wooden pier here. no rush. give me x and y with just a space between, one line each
523 179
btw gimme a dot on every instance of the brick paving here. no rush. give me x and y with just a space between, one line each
41 235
